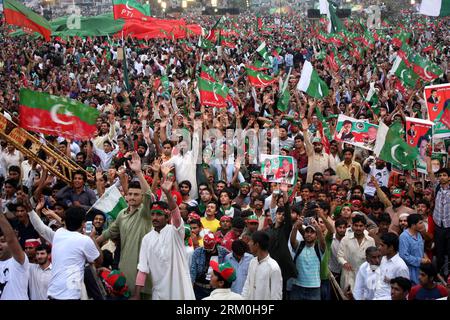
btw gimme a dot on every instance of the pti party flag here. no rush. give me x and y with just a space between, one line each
426 70
111 202
418 135
57 116
359 133
401 38
435 8
258 79
212 93
208 74
279 169
19 15
130 9
311 83
401 71
391 147
205 43
438 106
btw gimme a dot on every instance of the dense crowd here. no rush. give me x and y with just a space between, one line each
201 221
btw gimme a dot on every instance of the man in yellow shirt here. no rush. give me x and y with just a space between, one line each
349 169
209 221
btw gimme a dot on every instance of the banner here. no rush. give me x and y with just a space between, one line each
438 160
280 169
359 133
418 134
438 105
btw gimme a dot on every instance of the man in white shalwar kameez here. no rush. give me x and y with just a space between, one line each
185 162
163 255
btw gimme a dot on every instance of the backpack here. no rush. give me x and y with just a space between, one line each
302 246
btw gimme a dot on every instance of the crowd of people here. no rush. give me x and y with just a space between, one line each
201 220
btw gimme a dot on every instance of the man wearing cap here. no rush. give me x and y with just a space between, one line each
396 209
318 160
200 274
252 224
225 226
30 249
163 254
441 214
222 277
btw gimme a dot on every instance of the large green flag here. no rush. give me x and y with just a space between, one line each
401 71
311 83
391 147
284 95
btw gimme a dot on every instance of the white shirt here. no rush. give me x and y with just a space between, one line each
38 282
70 252
163 256
365 283
354 253
223 294
264 280
389 269
186 166
14 279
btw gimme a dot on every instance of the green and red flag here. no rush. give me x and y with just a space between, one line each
426 70
428 47
205 43
322 36
368 40
130 9
19 15
212 93
407 54
401 38
208 74
57 116
258 79
214 32
336 39
260 65
401 71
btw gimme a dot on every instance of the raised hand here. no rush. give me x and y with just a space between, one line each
166 169
135 163
167 186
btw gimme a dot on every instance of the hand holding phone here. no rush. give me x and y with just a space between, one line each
89 227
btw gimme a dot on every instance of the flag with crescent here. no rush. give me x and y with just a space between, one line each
56 116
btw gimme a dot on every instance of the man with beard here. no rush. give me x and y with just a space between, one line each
396 209
243 198
318 160
185 188
349 169
258 210
380 170
40 274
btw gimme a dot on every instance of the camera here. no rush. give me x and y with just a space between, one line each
307 221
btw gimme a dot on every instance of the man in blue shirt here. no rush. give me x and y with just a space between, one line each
307 259
239 260
411 248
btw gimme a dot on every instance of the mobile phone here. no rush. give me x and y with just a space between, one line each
88 227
